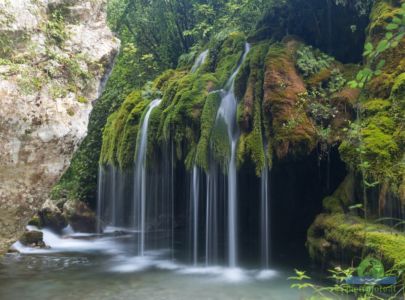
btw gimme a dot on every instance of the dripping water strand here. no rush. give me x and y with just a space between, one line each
140 177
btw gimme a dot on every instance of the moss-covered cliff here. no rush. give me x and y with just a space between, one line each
291 98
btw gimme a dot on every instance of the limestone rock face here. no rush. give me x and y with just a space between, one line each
55 56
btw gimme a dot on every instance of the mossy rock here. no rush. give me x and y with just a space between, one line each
120 132
293 131
35 221
33 239
80 216
343 197
51 217
333 237
208 117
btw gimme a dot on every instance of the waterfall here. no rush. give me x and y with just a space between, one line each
142 200
195 190
140 178
264 218
100 186
227 113
199 61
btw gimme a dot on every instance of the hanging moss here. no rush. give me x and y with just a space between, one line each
184 111
120 132
220 144
251 145
208 117
229 57
127 144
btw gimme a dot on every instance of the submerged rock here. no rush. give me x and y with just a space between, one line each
80 216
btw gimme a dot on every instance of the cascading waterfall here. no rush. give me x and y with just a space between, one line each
227 114
264 218
195 181
200 60
100 186
151 187
195 191
140 177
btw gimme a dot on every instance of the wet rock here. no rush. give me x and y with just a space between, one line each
33 239
35 221
51 216
80 216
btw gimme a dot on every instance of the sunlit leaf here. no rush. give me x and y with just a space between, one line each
392 26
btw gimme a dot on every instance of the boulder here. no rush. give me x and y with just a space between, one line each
80 216
51 216
33 239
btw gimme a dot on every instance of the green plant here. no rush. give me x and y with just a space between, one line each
55 28
340 289
393 36
310 61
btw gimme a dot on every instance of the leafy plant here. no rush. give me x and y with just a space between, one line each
340 289
395 33
55 28
310 62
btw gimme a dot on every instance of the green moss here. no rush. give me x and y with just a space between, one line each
292 131
208 117
127 144
382 12
161 82
82 99
343 197
335 236
220 144
229 55
374 106
398 89
251 144
249 86
35 221
118 133
332 205
378 145
188 95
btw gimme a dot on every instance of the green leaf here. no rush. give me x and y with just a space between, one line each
392 26
388 35
397 20
369 47
382 46
353 84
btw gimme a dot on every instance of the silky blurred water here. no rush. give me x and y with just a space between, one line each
90 267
